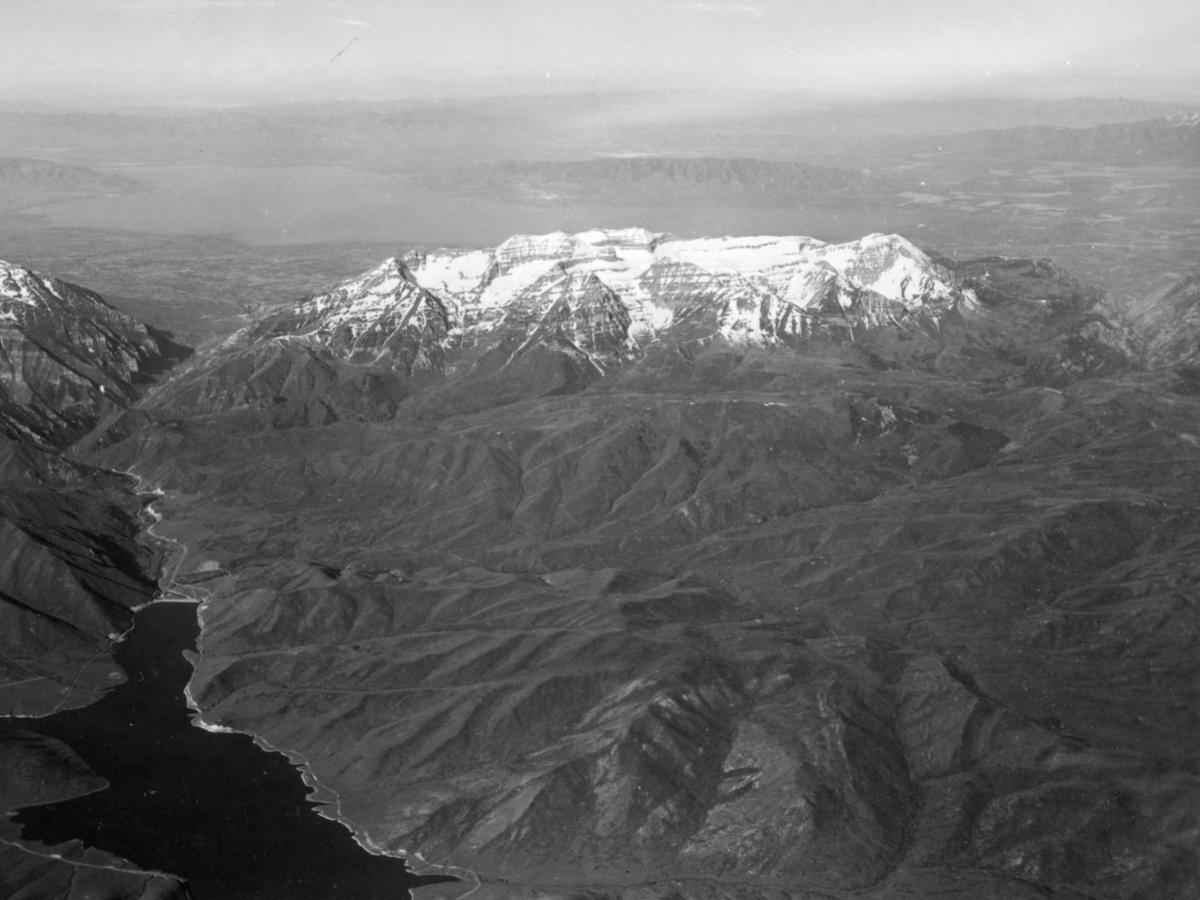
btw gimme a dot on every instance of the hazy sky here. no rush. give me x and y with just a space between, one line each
243 51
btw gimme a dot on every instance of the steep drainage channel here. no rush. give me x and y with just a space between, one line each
212 807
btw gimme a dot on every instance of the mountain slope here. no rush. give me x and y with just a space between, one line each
719 568
437 332
73 565
1168 321
67 358
1174 140
23 174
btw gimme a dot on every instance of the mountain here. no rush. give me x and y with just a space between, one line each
1173 140
1168 321
401 135
73 567
24 173
545 313
664 181
67 357
625 566
540 315
73 562
746 284
949 115
351 351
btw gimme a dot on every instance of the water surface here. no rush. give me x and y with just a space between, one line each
320 204
214 808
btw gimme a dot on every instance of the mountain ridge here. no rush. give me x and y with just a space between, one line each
571 563
558 312
74 562
67 358
1172 140
30 172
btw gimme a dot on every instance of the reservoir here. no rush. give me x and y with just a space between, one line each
214 808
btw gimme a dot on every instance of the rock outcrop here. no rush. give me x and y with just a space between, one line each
67 358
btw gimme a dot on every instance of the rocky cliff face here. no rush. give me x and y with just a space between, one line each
72 564
720 568
67 358
1168 322
382 317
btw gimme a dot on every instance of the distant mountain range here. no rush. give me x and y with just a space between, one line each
1174 140
551 314
43 174
401 136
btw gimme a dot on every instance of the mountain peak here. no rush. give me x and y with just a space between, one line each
67 357
21 285
644 269
651 284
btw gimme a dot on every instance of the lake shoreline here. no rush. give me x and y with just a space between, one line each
201 801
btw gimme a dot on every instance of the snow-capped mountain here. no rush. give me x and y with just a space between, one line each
67 357
543 315
746 289
554 312
383 315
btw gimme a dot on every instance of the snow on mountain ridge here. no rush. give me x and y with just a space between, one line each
755 285
639 265
381 313
24 286
889 265
374 291
67 357
29 299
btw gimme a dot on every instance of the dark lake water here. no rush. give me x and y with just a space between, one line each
214 808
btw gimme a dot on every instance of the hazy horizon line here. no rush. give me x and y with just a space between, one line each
815 98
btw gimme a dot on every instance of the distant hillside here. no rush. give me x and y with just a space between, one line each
42 174
1168 320
1172 140
664 180
401 135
